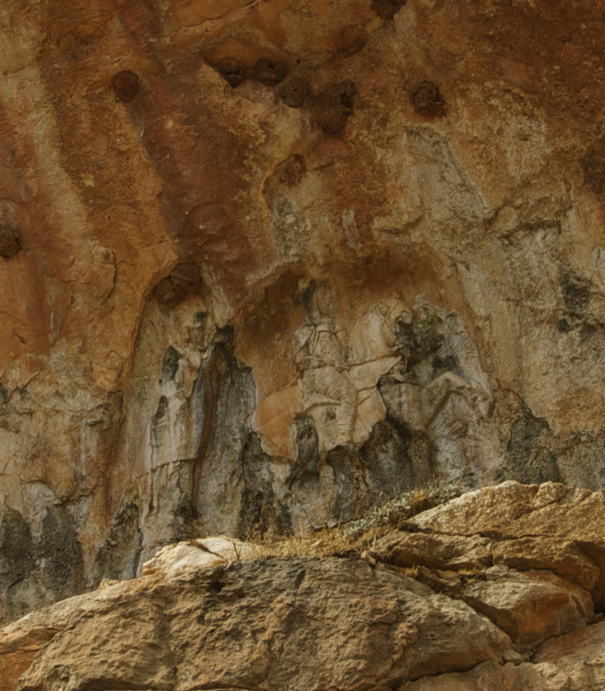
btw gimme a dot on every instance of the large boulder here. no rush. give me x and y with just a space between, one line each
268 624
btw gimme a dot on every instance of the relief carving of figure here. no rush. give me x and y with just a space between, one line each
327 394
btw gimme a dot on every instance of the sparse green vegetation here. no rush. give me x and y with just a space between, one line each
392 512
434 318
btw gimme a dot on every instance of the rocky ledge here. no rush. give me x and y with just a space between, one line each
499 589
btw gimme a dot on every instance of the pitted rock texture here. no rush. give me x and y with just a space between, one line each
212 613
301 624
266 262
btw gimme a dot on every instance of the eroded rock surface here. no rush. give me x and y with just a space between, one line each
300 623
569 663
264 263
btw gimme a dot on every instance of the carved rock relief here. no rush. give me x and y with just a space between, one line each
377 406
415 366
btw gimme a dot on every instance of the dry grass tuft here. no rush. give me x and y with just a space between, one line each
356 537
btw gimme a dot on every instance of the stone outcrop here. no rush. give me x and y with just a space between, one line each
264 263
424 610
301 623
569 663
551 511
173 560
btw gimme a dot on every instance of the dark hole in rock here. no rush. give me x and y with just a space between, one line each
563 326
269 73
126 85
576 293
334 106
294 91
346 100
162 408
9 241
292 170
216 585
231 72
427 99
184 280
300 576
170 364
387 9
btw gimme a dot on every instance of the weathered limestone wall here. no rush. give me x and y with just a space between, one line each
264 262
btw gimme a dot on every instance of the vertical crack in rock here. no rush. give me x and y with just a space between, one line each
221 402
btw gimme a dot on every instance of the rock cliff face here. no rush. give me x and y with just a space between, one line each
475 613
264 263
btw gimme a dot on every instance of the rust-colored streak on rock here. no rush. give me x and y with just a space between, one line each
270 319
188 146
215 233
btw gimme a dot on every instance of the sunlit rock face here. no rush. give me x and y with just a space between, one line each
264 263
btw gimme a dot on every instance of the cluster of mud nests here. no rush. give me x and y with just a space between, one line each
330 108
333 107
